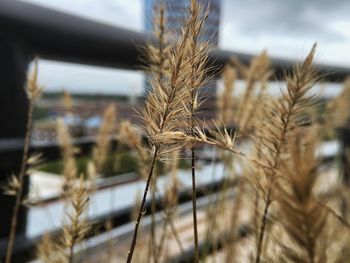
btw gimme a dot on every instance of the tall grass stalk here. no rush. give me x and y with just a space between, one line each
164 108
158 61
283 116
198 78
170 205
76 228
34 91
141 210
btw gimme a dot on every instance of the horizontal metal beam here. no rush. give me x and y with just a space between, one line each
59 36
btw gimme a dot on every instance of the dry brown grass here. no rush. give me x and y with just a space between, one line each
284 210
34 90
102 147
272 132
68 152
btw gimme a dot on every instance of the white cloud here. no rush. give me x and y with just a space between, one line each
341 26
287 28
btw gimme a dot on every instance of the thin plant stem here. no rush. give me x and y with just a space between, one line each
268 198
21 182
256 215
212 199
161 40
161 241
193 159
176 235
263 226
155 155
142 207
234 221
71 254
335 214
194 205
168 220
152 242
213 226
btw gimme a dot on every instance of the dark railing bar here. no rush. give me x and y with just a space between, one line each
59 36
25 248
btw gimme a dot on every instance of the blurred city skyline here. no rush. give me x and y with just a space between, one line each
285 28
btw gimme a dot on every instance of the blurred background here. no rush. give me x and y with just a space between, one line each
284 28
88 60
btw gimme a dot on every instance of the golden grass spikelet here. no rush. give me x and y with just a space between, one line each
197 52
225 99
49 251
76 226
223 139
157 65
174 184
258 70
169 105
68 152
33 162
337 113
11 187
165 108
280 117
102 147
130 136
300 214
251 111
35 159
259 66
91 172
34 90
67 101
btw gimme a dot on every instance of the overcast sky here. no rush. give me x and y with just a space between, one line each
286 28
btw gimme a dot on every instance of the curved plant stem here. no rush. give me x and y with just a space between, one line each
142 207
21 181
194 206
71 253
152 240
335 214
263 227
168 220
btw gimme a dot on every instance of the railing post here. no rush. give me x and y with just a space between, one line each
13 113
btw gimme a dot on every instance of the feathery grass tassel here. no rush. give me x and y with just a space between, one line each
76 228
198 78
283 115
300 215
102 147
165 107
